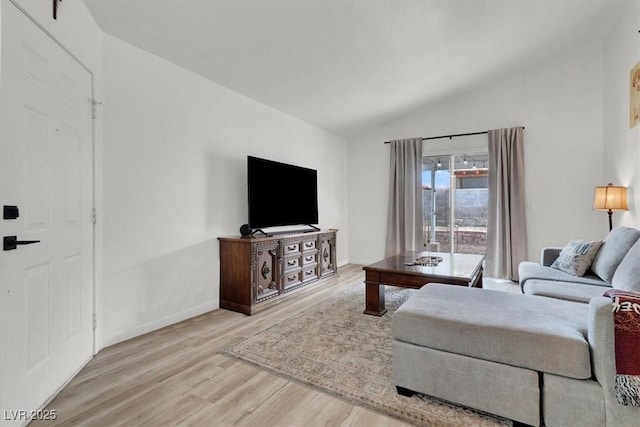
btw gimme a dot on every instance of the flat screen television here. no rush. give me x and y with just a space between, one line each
281 194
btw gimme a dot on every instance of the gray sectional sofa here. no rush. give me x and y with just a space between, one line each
529 358
605 272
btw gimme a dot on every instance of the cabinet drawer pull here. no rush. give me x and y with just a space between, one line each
291 248
308 272
292 263
308 245
291 278
308 259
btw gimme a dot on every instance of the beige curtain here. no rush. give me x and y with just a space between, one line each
506 230
404 221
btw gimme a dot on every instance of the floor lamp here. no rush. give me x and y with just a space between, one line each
610 198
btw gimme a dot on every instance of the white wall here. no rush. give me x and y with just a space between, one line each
560 104
622 144
175 179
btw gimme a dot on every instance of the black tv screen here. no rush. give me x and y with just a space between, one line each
281 194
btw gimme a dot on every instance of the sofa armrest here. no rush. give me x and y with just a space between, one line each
601 341
603 360
548 255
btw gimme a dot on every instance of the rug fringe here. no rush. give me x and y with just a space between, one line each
628 389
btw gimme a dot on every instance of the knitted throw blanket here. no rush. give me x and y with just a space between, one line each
626 320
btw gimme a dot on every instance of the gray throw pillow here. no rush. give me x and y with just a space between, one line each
627 275
614 248
576 257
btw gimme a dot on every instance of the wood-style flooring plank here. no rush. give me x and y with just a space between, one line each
177 376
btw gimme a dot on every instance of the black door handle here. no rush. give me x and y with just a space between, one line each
11 242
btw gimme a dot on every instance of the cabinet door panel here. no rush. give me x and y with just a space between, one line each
265 271
327 255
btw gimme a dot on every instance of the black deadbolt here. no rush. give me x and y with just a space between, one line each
10 212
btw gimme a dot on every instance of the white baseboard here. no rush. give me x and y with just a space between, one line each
160 323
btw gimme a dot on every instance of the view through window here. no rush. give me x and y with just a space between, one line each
455 193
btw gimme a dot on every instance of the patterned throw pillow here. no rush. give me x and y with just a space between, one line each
576 257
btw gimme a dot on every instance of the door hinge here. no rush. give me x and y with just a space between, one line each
94 106
94 216
95 321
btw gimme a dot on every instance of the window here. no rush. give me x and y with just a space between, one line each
455 193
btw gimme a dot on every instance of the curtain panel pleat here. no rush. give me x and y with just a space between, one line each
506 230
405 219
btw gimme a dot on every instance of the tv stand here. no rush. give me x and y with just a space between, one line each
257 272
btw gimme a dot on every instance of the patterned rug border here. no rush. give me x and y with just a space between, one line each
314 386
351 400
357 400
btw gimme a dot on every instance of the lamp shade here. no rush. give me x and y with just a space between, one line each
610 198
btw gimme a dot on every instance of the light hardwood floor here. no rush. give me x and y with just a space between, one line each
175 376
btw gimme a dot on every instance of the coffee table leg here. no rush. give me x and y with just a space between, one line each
374 299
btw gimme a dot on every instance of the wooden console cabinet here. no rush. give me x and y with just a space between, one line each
255 272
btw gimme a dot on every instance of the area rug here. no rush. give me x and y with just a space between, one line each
335 348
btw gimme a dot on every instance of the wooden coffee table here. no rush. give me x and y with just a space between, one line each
454 269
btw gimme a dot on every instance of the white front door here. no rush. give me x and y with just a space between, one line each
46 170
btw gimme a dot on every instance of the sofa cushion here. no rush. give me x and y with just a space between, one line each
532 270
614 248
576 292
627 275
532 332
576 257
548 255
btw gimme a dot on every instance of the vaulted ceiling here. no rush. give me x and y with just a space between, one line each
347 65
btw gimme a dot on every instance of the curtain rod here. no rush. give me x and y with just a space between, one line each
451 136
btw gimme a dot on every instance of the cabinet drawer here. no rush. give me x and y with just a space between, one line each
291 279
309 244
309 259
310 274
291 263
291 248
